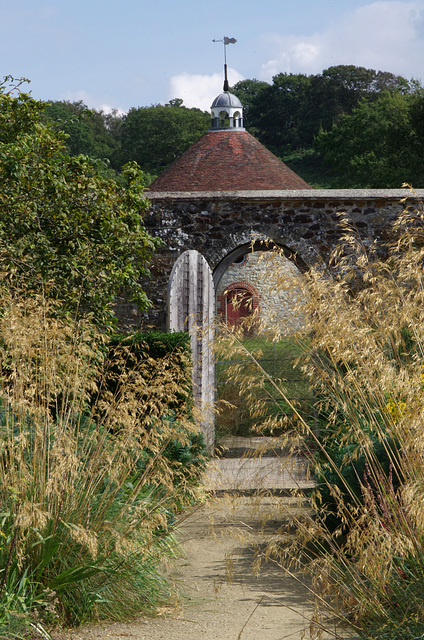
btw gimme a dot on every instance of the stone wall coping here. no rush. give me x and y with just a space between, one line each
300 194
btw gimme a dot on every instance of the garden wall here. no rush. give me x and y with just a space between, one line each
222 226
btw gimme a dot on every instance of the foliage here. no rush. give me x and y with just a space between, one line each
371 377
341 466
288 114
249 92
87 505
155 343
248 404
309 164
378 145
65 229
88 132
151 136
156 136
360 542
164 359
167 353
363 542
281 113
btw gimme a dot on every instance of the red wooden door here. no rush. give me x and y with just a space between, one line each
239 304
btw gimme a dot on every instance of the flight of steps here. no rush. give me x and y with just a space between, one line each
257 463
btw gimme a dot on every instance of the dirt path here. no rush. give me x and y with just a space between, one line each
222 599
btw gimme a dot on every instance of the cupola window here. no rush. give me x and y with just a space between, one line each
224 120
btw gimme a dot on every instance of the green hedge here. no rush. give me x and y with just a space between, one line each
170 352
155 343
168 349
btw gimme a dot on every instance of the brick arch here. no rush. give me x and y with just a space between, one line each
223 299
244 285
237 286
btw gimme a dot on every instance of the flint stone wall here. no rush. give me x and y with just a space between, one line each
276 282
221 226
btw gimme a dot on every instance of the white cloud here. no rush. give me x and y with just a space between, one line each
200 90
107 108
91 102
306 53
386 36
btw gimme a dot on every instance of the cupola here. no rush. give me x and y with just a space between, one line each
227 158
226 112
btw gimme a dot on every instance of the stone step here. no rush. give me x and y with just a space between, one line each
259 473
256 463
256 446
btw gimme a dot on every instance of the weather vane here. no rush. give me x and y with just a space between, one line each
226 41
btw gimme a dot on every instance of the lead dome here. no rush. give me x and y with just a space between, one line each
226 99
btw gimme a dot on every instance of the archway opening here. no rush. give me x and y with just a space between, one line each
258 291
224 120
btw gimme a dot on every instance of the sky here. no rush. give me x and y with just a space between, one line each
118 54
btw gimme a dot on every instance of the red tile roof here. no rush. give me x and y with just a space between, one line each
227 161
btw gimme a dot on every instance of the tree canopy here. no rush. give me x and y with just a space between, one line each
156 136
288 116
379 145
65 229
89 132
152 136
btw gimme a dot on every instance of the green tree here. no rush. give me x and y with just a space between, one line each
277 113
379 145
288 114
349 84
65 229
89 132
156 136
249 92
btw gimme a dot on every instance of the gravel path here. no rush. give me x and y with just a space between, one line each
221 597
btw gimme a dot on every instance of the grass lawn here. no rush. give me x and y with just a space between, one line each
252 396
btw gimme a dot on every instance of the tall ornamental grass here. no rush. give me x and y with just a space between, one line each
89 492
361 543
246 401
365 544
